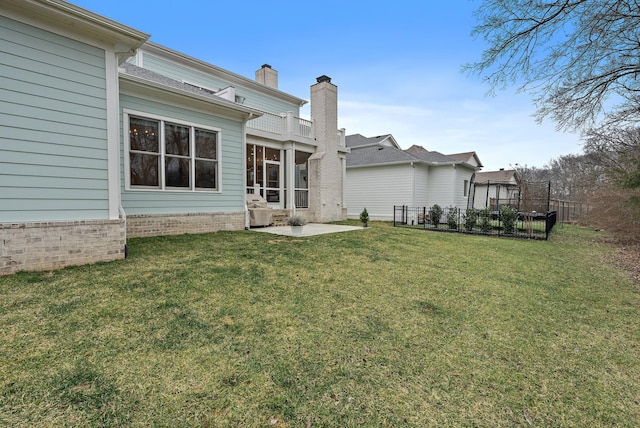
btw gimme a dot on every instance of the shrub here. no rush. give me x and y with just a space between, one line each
509 216
470 218
296 220
364 216
452 218
435 214
485 220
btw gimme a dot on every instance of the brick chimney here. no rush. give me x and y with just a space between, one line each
327 164
267 76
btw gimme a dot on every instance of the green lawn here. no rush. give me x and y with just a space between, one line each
384 327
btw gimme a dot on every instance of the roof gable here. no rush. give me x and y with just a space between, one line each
470 158
359 140
76 22
508 176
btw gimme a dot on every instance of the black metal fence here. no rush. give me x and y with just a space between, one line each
526 196
530 225
569 211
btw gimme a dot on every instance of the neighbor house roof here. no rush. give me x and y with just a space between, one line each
466 157
502 176
431 157
376 155
383 149
358 140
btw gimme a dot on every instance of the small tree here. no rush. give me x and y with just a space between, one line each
470 219
452 218
509 216
435 214
364 217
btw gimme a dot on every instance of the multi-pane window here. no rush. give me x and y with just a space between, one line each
167 155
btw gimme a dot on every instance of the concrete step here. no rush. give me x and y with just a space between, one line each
280 217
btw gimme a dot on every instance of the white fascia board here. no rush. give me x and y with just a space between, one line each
76 22
236 79
137 86
391 139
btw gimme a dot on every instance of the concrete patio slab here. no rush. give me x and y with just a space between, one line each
310 229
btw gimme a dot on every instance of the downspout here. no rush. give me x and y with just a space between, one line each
244 169
123 216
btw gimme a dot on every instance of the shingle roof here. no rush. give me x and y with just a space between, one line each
431 157
376 155
502 176
152 76
369 151
464 157
358 140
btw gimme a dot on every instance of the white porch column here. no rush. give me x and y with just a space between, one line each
289 126
290 166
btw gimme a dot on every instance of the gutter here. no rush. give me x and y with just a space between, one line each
123 216
405 162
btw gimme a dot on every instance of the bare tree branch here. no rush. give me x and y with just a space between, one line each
580 59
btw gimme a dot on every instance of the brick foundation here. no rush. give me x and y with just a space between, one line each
177 224
53 245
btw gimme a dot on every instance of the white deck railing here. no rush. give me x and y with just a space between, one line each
268 122
283 124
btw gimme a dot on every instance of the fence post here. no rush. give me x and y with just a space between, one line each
424 217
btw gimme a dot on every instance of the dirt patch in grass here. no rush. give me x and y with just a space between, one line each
625 255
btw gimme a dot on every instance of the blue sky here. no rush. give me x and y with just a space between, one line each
396 64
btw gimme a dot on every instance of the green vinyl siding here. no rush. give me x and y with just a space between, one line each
253 99
53 140
230 198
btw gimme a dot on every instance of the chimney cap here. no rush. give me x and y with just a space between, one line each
323 78
266 66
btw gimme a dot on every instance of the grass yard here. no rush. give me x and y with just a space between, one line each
385 327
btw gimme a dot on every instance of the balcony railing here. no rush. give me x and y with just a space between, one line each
302 198
287 126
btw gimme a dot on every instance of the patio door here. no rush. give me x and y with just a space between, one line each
273 192
265 174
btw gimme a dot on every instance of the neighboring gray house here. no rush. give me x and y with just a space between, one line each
491 186
380 175
105 135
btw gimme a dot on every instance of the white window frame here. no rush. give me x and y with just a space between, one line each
192 154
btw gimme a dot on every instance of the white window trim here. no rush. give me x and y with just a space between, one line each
161 176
